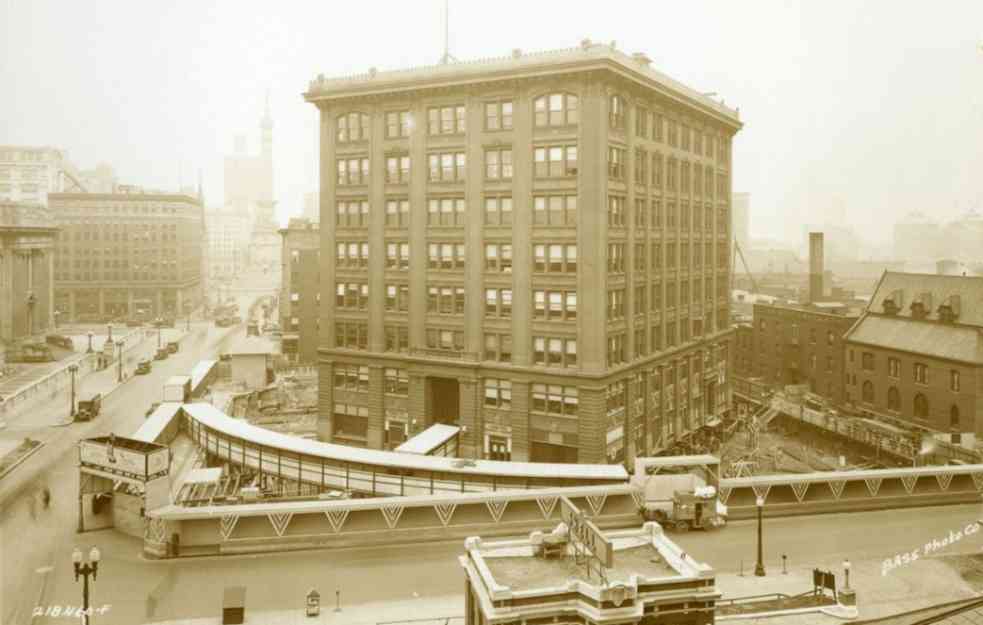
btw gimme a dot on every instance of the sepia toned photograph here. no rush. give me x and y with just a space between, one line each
444 312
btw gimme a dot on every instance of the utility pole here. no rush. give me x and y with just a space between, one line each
447 57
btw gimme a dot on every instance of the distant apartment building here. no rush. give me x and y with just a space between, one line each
533 248
741 211
228 236
27 234
917 354
100 179
300 292
917 238
29 174
127 254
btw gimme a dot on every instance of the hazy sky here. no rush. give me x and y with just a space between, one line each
875 107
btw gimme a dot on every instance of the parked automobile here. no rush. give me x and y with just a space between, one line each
59 340
161 354
173 347
88 409
143 367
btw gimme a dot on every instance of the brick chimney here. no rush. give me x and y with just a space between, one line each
815 267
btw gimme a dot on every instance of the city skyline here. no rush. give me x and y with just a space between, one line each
210 94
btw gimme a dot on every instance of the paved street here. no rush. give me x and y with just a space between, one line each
429 575
32 537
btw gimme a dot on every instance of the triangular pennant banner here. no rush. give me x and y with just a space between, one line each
873 485
909 482
762 490
279 521
392 514
800 489
837 487
547 504
638 497
445 512
596 503
977 480
497 508
724 495
336 518
944 480
226 524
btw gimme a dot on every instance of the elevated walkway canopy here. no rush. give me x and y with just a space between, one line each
437 440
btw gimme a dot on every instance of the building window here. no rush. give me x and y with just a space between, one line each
498 347
554 305
554 258
397 213
867 361
893 368
552 399
616 257
498 394
954 381
616 349
353 214
445 300
616 211
447 167
640 263
351 296
397 339
445 212
554 352
829 338
658 166
498 211
397 298
397 255
556 161
398 169
352 254
498 303
641 210
353 171
498 257
498 164
350 420
556 109
616 163
353 127
396 381
921 373
351 377
642 123
351 335
954 418
446 256
616 304
920 406
498 115
893 399
397 124
447 120
445 339
868 392
555 210
617 112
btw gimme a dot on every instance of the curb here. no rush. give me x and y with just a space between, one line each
21 460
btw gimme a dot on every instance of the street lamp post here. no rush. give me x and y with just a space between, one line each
72 370
759 568
85 569
119 350
89 351
109 331
846 575
159 322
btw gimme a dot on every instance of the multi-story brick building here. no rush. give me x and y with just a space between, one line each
300 291
30 173
538 251
797 344
917 354
27 234
126 254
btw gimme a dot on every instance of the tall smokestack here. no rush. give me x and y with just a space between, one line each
815 267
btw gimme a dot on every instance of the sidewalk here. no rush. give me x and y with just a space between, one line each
429 611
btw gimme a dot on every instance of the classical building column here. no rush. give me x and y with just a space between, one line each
469 440
325 401
521 444
592 425
376 437
417 403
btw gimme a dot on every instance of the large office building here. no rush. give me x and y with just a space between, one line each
27 234
30 173
127 254
916 354
300 290
228 235
534 248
